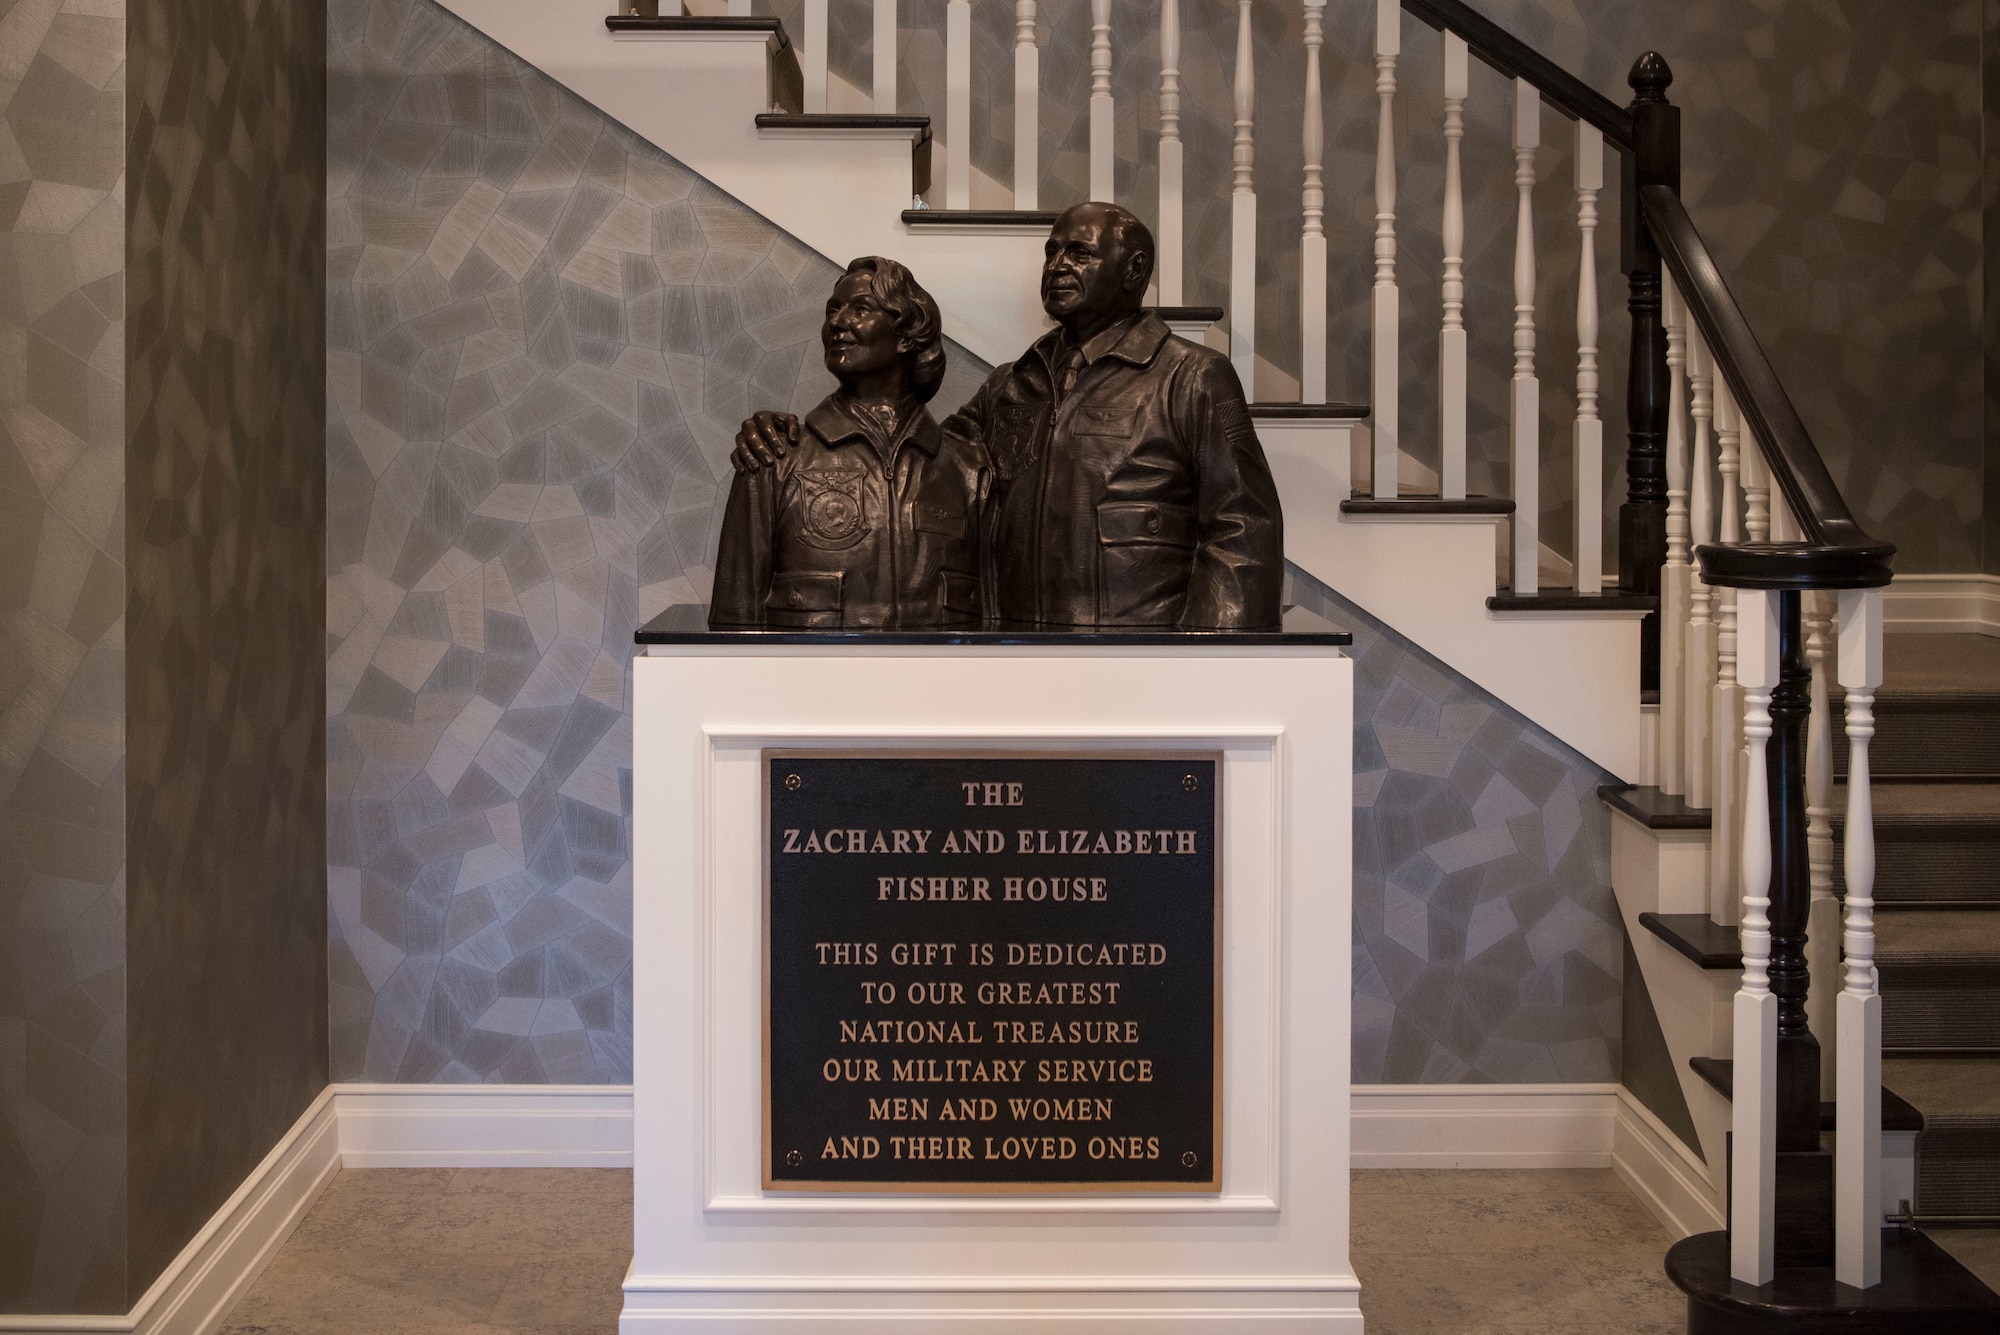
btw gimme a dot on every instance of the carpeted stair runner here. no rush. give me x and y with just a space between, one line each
1936 761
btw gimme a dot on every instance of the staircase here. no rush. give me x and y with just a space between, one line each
1936 764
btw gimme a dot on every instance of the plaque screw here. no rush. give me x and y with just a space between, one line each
793 1157
1188 782
1187 1160
792 782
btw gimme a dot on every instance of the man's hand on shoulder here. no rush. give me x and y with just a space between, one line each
763 439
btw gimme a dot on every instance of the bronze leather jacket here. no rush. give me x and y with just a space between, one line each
835 537
1141 498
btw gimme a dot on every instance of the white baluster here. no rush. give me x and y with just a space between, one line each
1243 213
1312 238
1756 492
1674 578
815 57
1754 1101
1726 720
1589 441
1700 667
1452 338
1524 434
1027 107
1170 242
958 104
1823 918
1386 344
885 57
1103 146
1857 1151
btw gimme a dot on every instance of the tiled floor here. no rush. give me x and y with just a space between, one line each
426 1251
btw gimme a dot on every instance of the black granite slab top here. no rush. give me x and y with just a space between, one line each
687 624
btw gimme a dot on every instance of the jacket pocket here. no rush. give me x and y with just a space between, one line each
961 596
1144 552
940 520
804 600
1102 421
1124 522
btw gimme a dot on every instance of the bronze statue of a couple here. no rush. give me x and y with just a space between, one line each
1110 478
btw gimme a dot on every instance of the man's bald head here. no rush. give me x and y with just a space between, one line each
1097 263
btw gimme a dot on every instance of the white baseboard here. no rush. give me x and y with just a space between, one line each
1663 1173
221 1262
1936 603
486 1126
1483 1126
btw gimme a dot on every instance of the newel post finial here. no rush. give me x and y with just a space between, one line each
1650 78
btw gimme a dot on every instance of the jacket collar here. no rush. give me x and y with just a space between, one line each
835 422
1135 339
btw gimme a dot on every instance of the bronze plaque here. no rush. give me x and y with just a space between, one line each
992 971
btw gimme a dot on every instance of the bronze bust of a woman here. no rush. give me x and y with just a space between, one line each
873 519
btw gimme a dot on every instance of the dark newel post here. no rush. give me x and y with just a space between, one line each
1791 886
1642 520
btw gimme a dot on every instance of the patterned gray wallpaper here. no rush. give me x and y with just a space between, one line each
542 334
1486 942
1834 163
62 657
226 670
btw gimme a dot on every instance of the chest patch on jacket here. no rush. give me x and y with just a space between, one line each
1014 430
834 514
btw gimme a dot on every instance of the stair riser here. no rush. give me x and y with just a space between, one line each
1955 743
1958 1172
1934 866
1940 1008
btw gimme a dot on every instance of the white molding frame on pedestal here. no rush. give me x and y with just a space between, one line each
733 1002
714 1250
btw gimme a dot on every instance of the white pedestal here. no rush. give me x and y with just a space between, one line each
712 1251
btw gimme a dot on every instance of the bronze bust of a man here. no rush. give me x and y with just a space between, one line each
872 519
1129 488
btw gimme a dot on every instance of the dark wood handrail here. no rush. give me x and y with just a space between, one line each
1517 60
1847 554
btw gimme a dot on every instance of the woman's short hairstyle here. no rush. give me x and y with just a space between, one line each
897 291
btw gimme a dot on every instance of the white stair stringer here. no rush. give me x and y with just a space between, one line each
697 97
1666 871
1575 674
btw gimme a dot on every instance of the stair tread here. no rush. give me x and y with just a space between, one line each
1931 801
1709 944
1898 1113
1949 665
1914 937
1569 600
1652 808
1949 1091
